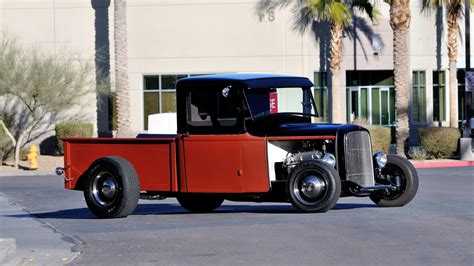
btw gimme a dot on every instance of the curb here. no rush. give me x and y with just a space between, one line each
7 248
442 164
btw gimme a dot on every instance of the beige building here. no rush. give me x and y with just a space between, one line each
172 39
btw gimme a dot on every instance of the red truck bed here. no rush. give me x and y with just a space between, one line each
154 159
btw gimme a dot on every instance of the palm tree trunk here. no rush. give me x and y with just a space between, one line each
121 69
401 82
335 65
452 54
400 23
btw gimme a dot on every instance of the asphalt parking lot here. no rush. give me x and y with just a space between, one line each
437 228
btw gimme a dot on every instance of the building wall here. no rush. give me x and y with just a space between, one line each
210 36
56 27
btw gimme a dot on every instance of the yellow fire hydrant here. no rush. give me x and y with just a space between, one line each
33 157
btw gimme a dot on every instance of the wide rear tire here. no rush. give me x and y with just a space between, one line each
313 186
112 188
407 184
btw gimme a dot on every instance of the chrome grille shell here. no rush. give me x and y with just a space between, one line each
358 158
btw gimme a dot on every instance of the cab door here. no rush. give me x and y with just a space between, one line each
213 163
212 152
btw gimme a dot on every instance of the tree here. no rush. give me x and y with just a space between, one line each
400 23
121 69
338 14
37 89
453 14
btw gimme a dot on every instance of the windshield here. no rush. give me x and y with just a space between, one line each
263 102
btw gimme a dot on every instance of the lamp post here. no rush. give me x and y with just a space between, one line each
465 142
467 98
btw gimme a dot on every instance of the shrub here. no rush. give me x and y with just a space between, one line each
24 154
380 135
3 144
72 130
439 142
381 138
417 153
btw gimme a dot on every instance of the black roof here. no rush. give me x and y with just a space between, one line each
256 81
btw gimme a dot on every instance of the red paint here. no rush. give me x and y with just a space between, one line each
196 163
153 159
225 164
254 164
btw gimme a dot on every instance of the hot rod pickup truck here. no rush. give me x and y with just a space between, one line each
240 137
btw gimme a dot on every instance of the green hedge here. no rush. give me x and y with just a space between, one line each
439 142
381 138
72 130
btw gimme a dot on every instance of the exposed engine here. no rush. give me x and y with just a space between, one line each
284 155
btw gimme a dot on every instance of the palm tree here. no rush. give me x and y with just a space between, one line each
338 14
121 69
400 23
453 13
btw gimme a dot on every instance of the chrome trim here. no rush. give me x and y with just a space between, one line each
310 189
358 158
104 188
376 187
329 159
380 158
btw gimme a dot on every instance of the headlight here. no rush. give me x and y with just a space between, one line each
380 158
329 159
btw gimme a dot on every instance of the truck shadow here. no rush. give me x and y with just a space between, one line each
175 209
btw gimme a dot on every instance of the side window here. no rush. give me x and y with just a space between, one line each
212 111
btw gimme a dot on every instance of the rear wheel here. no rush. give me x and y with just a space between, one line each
112 188
199 203
398 172
313 186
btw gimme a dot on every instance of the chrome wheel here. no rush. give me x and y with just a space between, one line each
111 188
104 189
400 173
313 186
310 189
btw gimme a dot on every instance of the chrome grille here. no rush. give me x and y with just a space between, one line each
358 158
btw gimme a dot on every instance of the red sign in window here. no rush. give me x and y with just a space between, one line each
273 102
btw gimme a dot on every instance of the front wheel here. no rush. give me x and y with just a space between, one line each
111 188
313 186
199 203
400 173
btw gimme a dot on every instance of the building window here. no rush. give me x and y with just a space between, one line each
370 98
439 96
419 96
159 95
321 95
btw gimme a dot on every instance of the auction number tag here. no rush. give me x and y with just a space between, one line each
273 102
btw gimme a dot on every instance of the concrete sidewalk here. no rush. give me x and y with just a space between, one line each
440 163
25 240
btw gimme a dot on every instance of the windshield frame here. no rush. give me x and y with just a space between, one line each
307 93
